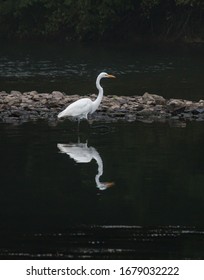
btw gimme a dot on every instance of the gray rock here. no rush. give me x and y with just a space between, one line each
15 93
57 95
33 92
35 96
146 112
43 101
176 106
148 98
159 100
153 99
17 113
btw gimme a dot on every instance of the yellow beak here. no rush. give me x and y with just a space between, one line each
109 184
110 76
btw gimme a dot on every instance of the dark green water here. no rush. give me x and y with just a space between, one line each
172 72
157 196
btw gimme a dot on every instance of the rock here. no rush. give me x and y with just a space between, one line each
174 105
140 107
145 112
159 100
124 106
122 100
33 92
15 93
17 113
152 99
189 103
197 111
12 99
3 93
148 98
46 96
26 99
23 105
43 101
57 95
178 111
35 96
158 108
114 106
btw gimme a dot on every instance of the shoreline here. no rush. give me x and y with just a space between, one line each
17 107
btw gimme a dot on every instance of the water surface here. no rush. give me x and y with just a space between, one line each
172 72
53 191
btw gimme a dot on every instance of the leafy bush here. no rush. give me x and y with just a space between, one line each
101 20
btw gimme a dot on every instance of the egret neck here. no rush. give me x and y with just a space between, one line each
97 102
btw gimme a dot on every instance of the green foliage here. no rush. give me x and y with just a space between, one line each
100 19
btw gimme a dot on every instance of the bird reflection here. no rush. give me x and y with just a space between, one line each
81 153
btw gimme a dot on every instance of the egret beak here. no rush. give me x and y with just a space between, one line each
104 185
110 76
109 184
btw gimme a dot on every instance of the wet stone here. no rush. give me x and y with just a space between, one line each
147 98
57 95
146 112
17 113
175 104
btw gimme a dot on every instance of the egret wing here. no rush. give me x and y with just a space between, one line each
81 154
79 108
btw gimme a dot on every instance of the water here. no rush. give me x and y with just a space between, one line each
120 190
171 72
53 191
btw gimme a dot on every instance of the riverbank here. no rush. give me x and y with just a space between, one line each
17 107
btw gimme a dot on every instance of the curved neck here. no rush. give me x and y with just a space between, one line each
97 102
99 162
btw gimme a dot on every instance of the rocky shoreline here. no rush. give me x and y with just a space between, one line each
30 106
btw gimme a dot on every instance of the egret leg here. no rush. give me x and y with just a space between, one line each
78 122
90 122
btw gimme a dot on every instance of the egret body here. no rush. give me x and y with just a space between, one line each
84 106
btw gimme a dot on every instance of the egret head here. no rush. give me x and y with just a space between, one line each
105 185
105 75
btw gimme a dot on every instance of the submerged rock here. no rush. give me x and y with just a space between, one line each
16 106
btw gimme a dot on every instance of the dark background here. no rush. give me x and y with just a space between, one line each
105 20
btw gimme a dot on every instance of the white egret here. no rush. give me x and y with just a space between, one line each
84 106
